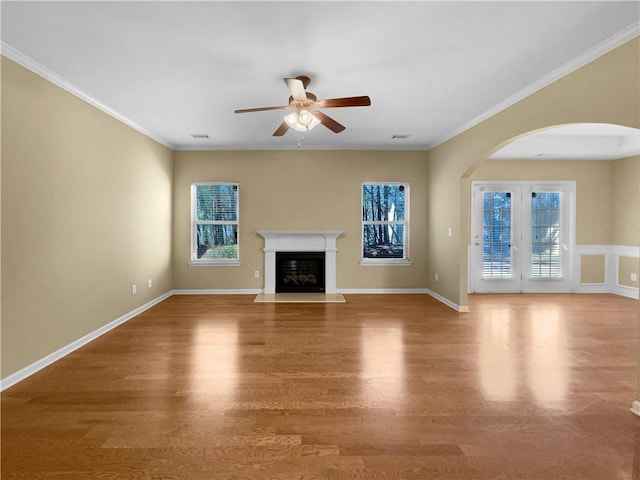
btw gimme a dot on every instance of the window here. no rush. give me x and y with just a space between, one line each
214 224
545 234
496 235
385 224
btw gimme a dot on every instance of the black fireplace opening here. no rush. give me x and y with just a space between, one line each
299 272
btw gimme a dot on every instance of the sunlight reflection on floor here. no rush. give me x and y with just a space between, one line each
215 359
382 360
507 365
497 353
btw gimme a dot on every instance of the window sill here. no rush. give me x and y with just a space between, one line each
386 262
213 263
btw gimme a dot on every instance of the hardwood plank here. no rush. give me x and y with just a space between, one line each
525 387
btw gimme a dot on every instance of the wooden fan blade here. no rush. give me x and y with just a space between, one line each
296 87
305 80
329 122
282 129
363 101
261 109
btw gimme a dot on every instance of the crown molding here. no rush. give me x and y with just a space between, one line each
600 49
294 146
39 69
585 58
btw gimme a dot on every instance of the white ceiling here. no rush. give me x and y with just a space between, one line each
432 69
584 141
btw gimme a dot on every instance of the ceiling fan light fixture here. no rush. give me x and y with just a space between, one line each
302 120
307 113
305 117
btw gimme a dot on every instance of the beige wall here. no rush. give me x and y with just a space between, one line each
603 91
626 202
626 267
87 202
593 189
592 269
626 215
300 190
605 190
626 223
86 213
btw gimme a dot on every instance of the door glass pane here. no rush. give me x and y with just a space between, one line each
545 234
496 235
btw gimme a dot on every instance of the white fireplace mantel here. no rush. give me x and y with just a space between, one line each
300 241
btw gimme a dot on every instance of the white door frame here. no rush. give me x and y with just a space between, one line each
523 243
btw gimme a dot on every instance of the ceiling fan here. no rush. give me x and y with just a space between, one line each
305 105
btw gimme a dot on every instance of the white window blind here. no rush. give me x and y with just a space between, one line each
496 232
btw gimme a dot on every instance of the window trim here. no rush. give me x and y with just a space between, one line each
386 262
212 262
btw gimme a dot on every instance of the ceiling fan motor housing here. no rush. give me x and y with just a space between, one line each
305 105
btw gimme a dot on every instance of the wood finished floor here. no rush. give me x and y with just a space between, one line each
525 387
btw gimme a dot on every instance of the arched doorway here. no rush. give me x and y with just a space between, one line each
523 208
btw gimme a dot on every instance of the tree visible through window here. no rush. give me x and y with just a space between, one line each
214 222
384 220
545 234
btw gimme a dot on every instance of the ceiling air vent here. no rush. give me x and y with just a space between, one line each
399 136
199 135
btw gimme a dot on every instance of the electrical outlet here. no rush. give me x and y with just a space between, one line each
256 274
450 232
634 277
436 277
150 283
134 289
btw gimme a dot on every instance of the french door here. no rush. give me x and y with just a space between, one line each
522 236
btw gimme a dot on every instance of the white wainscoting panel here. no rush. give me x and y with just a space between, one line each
612 254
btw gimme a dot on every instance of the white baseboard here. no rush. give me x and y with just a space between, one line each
625 291
347 291
449 303
218 291
38 365
592 288
381 291
635 408
423 291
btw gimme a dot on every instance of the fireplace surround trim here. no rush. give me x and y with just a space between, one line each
300 241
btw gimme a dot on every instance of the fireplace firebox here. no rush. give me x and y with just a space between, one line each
300 272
